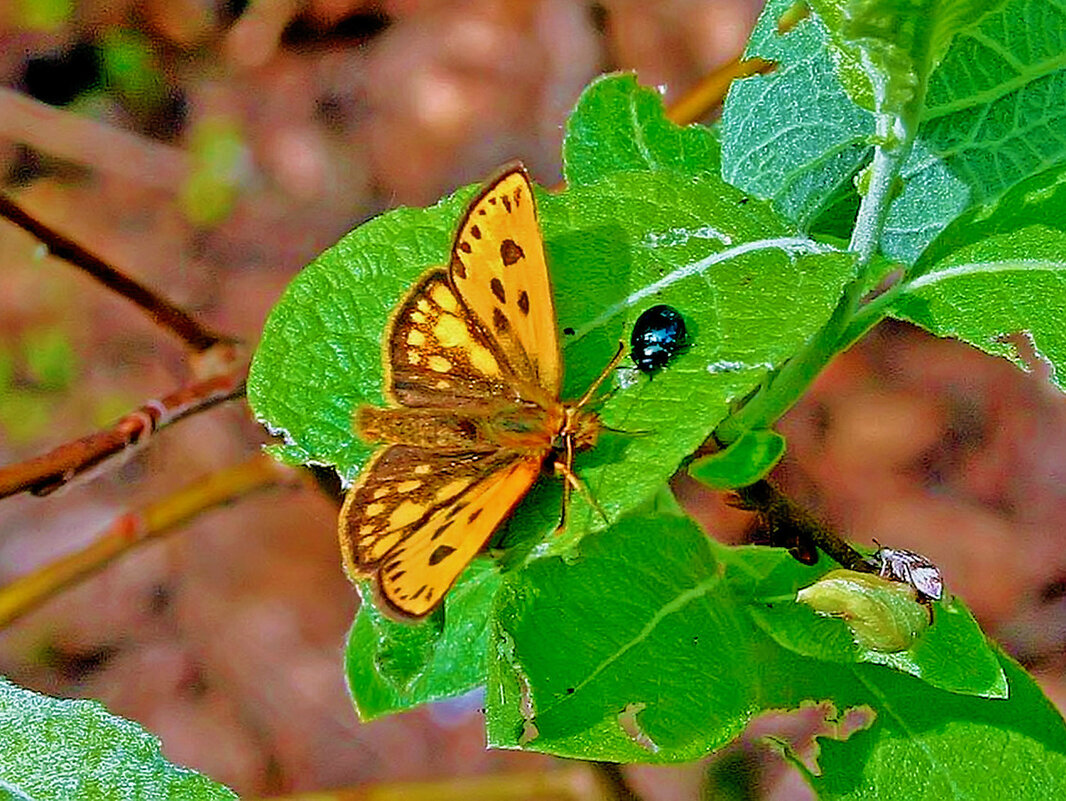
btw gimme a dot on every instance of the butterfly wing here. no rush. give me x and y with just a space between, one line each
499 271
437 355
417 517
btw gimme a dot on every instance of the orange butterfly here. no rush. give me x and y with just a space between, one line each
472 377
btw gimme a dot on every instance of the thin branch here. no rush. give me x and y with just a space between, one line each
47 473
83 140
614 782
166 314
787 522
136 528
709 93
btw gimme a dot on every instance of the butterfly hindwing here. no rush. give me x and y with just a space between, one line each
499 269
416 517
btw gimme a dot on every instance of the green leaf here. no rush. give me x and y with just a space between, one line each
793 136
393 666
652 643
50 358
744 462
984 131
130 68
796 137
999 286
59 749
925 743
619 126
884 616
634 651
952 654
894 45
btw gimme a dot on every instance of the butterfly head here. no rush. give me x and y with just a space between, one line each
580 428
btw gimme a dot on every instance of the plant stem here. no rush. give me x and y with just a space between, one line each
710 91
781 515
166 314
841 330
136 528
45 474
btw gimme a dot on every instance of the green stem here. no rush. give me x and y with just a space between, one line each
847 322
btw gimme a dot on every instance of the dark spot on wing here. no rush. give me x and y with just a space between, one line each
496 285
510 252
474 515
506 202
440 554
475 232
465 247
455 510
499 321
457 267
523 302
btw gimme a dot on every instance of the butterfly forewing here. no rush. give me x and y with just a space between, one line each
437 356
499 270
417 517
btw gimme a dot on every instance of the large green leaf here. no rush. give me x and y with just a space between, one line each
655 644
887 49
58 749
393 666
1002 285
635 650
797 137
985 130
619 126
793 136
930 744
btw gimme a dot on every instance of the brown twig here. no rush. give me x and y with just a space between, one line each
790 525
136 528
83 140
614 781
709 93
47 473
166 314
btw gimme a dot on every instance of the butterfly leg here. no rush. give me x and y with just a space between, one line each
564 468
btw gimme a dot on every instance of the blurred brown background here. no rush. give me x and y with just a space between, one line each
213 147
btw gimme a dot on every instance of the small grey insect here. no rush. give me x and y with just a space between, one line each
912 568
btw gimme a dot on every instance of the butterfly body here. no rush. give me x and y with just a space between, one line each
472 380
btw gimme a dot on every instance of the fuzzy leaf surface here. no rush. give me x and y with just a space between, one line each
620 126
981 129
393 666
52 748
999 286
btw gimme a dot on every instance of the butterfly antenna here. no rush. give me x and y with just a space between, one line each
603 376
